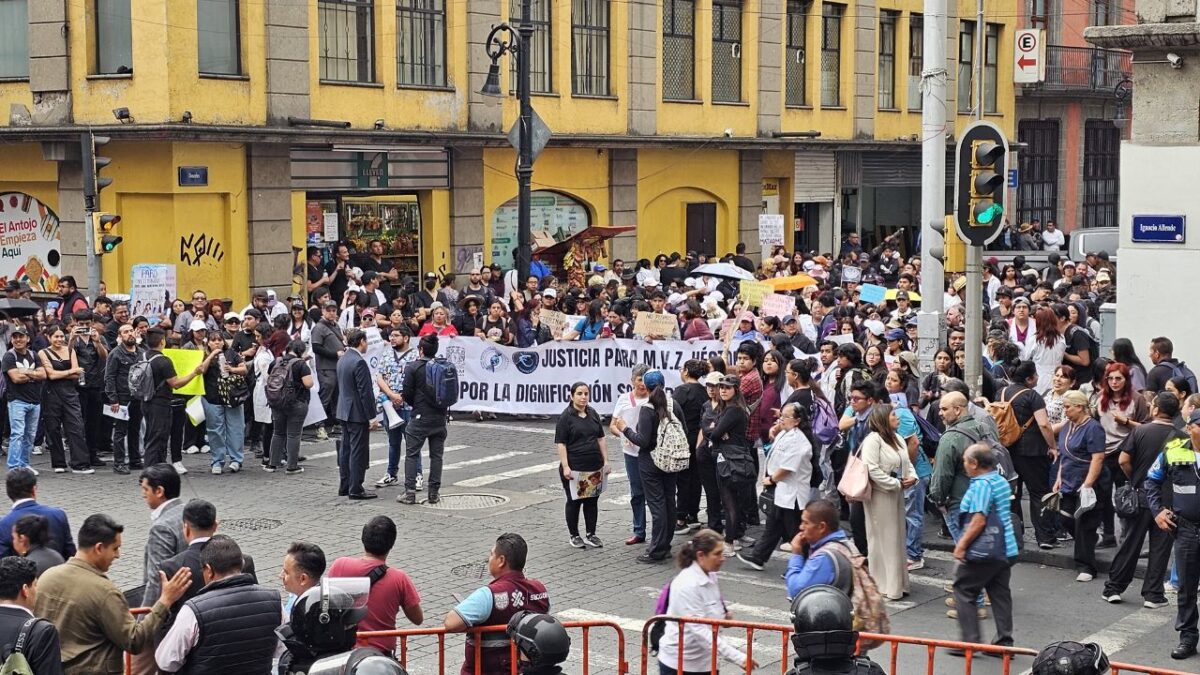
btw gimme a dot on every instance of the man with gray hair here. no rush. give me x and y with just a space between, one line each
628 408
987 546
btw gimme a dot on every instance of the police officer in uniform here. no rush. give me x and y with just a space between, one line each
825 639
542 643
509 593
1177 510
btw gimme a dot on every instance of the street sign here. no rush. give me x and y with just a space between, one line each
1029 56
540 135
1157 229
193 176
1012 179
980 170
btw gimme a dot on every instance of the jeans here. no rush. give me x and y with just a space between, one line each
226 432
914 516
23 419
287 423
395 447
637 498
418 430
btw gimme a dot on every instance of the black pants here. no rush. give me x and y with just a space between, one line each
1133 533
706 470
327 379
1187 560
782 525
126 436
687 483
589 506
353 456
729 491
158 431
287 424
179 425
659 488
1108 514
418 430
858 526
1033 478
91 404
1084 531
60 413
970 579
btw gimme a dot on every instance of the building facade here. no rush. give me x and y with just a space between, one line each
1072 123
243 132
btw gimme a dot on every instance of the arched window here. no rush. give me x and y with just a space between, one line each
553 216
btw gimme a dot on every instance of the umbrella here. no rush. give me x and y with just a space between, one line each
723 270
792 283
19 307
891 295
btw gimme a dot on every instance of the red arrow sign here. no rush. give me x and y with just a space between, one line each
1024 62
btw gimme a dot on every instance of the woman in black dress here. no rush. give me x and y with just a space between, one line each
579 438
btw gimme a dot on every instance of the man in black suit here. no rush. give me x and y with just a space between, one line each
356 411
21 486
18 592
199 525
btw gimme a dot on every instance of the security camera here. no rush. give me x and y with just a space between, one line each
729 133
1175 60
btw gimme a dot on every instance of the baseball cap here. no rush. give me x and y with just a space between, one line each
650 282
746 316
330 303
232 316
20 329
788 318
653 378
197 324
875 326
430 275
599 268
1194 418
895 334
1103 275
1021 301
712 379
730 381
959 283
550 293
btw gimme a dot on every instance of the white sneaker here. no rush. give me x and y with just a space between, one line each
1112 598
1150 604
37 449
216 469
786 547
84 472
388 479
191 450
322 435
58 469
1084 576
35 471
235 467
1169 587
420 482
204 449
179 468
914 565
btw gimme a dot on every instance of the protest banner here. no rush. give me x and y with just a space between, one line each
778 305
872 294
152 289
770 231
537 380
185 361
655 325
555 321
753 292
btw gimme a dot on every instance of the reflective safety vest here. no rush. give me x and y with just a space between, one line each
1184 474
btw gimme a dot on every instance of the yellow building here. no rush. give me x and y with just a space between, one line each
244 132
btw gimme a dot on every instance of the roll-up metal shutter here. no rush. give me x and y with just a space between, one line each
898 168
816 176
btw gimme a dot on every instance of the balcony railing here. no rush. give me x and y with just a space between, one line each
1084 70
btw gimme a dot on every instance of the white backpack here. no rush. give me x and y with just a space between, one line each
670 453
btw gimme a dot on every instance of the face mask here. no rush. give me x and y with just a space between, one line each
430 284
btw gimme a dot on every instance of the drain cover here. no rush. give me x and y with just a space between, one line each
465 502
252 524
471 571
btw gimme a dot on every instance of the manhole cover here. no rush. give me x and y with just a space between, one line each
471 571
465 502
251 524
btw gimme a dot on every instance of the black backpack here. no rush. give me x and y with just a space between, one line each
281 385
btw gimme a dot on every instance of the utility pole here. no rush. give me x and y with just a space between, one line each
525 152
933 183
973 316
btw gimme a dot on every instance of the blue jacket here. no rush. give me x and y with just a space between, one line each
60 531
815 569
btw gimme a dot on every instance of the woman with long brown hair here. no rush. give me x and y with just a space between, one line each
1047 349
891 472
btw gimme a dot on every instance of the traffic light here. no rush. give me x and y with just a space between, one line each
93 182
103 225
980 171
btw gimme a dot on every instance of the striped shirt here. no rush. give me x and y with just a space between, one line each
987 492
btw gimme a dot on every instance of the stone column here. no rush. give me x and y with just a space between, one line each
484 113
866 20
770 65
466 204
623 200
750 175
269 217
49 67
644 28
74 235
288 78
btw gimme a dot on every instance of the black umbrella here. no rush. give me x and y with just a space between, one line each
19 307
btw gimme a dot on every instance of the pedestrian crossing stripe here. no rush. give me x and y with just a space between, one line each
480 481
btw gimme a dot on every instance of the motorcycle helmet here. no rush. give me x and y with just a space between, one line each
361 661
325 617
540 637
823 618
1071 658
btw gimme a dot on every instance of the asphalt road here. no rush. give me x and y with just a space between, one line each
513 464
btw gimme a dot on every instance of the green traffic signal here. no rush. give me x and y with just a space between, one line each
986 215
109 242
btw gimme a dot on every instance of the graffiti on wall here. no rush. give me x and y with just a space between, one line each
195 247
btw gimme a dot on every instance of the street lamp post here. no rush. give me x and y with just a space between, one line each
517 43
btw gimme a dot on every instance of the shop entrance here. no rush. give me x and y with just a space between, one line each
358 219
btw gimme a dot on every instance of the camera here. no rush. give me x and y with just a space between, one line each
1175 60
